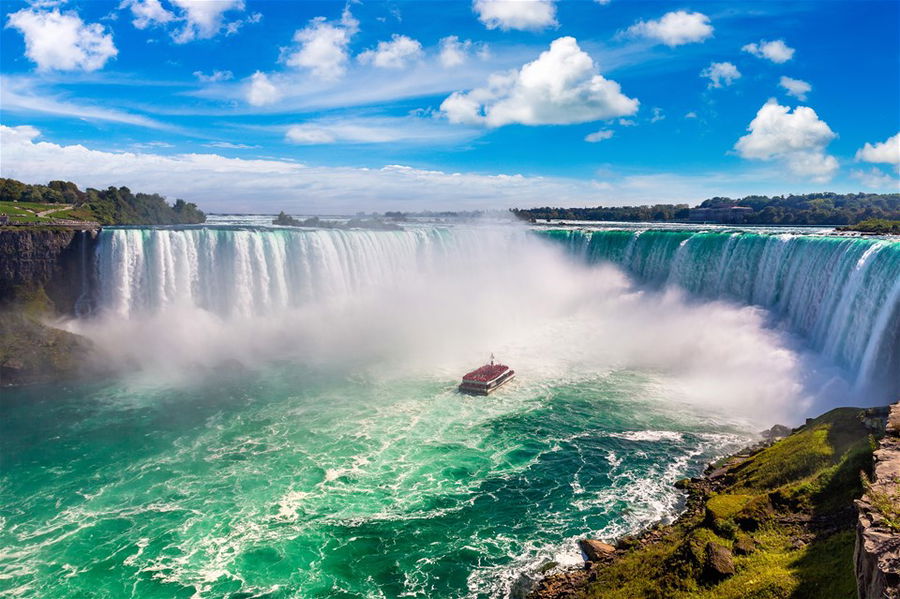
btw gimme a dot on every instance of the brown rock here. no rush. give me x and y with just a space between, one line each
718 564
744 546
596 551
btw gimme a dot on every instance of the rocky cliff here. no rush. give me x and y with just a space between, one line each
56 260
877 553
45 273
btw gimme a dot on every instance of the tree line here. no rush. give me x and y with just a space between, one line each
808 209
111 206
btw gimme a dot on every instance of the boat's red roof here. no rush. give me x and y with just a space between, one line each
486 373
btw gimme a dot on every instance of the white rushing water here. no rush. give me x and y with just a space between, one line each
287 421
841 293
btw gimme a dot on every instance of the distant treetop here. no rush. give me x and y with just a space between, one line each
112 206
808 209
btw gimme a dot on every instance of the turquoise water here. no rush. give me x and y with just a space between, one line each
303 484
285 422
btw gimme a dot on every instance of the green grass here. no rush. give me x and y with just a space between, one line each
887 504
722 507
27 212
813 472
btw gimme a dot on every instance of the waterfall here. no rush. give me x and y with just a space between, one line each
83 305
231 271
841 293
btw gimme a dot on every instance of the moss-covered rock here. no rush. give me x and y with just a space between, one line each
717 565
793 497
32 352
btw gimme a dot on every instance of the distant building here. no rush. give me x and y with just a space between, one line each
727 214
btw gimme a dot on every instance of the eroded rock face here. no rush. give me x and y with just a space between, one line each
877 552
57 260
718 564
596 551
779 431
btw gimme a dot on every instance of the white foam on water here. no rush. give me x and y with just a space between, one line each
650 436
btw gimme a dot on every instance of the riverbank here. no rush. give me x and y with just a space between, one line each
775 520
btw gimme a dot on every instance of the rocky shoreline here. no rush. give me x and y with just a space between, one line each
877 553
747 509
598 554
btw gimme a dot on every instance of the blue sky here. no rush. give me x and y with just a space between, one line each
330 107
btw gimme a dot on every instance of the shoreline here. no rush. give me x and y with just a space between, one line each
566 582
720 532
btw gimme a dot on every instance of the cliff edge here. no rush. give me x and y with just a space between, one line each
45 273
877 552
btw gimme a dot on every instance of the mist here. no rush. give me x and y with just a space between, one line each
436 310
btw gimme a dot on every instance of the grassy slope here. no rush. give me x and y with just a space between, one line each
790 503
26 212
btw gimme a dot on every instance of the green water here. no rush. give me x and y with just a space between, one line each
292 483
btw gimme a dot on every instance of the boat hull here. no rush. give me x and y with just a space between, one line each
488 387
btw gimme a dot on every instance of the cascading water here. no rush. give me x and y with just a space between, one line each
287 424
83 305
841 293
255 271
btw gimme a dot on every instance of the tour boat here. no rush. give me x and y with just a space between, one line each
486 379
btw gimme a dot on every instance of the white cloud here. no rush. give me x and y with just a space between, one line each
235 26
152 145
516 14
455 52
598 136
18 95
674 28
876 178
214 77
886 152
795 87
261 91
203 18
721 74
309 135
691 115
369 85
373 130
284 184
272 185
657 115
561 86
323 46
62 41
147 13
395 54
21 135
776 51
227 145
197 19
627 122
798 139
